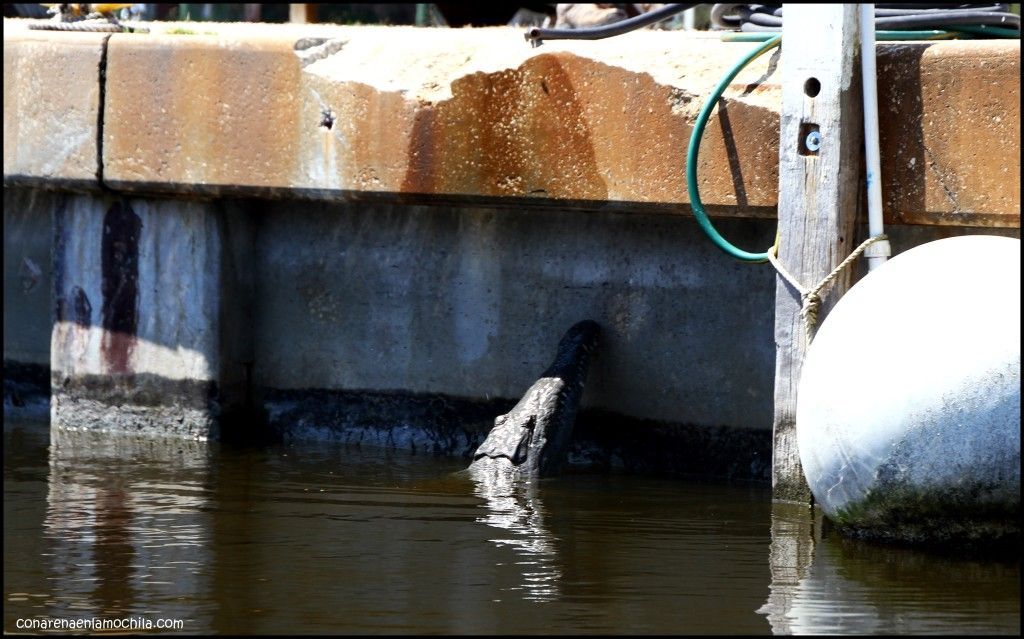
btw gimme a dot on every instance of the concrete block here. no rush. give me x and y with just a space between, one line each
200 113
140 301
51 106
475 115
949 118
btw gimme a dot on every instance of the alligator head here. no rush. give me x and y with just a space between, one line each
533 438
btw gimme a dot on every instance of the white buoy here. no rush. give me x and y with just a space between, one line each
908 409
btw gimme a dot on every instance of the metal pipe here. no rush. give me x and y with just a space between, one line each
878 252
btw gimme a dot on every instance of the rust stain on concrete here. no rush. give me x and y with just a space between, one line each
346 155
473 113
520 132
566 127
949 119
213 111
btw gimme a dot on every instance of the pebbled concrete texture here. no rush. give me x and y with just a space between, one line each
52 105
477 116
404 110
950 131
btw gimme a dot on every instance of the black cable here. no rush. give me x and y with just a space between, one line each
889 10
950 18
768 17
537 34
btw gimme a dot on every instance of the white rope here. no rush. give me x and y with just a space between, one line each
810 298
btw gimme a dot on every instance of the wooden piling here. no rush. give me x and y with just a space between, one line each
821 128
302 13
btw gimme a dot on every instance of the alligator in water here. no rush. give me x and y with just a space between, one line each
532 439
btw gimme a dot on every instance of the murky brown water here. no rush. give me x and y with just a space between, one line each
323 539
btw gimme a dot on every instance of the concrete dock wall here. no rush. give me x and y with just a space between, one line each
459 115
304 240
136 321
27 275
472 302
404 326
28 281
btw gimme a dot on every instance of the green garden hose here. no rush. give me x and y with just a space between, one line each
770 41
966 23
694 148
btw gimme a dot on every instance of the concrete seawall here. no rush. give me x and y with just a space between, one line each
451 238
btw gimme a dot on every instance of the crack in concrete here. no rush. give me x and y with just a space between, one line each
950 193
104 47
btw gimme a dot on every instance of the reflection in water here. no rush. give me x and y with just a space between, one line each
514 505
825 583
326 539
795 530
124 542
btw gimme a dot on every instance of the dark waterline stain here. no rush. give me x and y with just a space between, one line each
120 285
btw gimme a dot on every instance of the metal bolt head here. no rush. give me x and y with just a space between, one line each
813 141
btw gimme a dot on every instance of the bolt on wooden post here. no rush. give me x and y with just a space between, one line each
821 128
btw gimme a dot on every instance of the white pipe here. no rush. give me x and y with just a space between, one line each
879 251
689 19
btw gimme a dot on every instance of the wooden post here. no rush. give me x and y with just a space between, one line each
302 13
796 530
252 12
819 185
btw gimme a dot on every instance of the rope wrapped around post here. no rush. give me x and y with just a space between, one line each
810 298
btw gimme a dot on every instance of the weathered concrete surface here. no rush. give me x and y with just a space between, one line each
27 309
51 105
436 424
950 132
472 302
27 275
408 326
464 113
476 115
140 301
413 327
